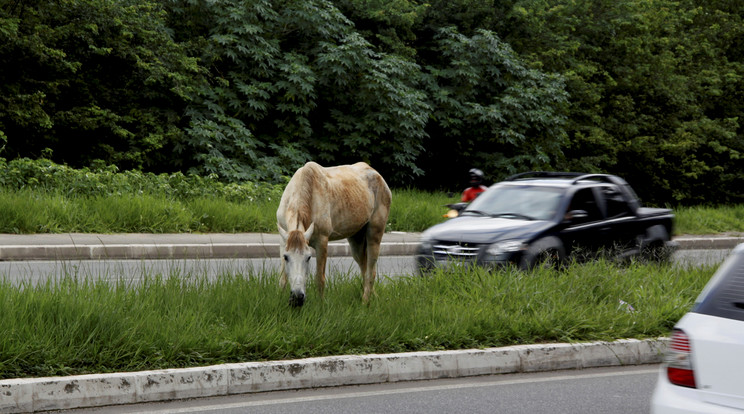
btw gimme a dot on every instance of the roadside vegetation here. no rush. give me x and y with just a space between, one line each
241 93
72 324
39 196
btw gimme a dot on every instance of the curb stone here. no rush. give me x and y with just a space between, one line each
95 390
204 246
690 243
174 251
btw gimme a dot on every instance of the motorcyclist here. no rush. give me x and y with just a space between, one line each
476 186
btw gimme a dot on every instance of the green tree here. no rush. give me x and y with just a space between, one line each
251 89
293 80
91 79
390 25
652 87
490 109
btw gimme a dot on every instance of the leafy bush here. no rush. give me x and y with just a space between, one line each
48 176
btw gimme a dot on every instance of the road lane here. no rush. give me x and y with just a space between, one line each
133 271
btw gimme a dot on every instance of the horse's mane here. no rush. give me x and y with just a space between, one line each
309 181
296 240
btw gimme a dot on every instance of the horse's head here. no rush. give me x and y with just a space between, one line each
297 254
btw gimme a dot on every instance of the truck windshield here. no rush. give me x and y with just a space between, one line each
538 203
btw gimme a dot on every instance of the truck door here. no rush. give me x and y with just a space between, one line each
624 227
586 232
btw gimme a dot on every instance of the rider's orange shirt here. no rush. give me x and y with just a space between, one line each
469 194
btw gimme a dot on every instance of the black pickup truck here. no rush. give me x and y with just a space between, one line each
546 218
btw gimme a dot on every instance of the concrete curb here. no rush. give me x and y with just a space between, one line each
173 251
80 246
691 243
58 393
136 251
200 247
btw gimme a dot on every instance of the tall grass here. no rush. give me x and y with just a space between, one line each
44 211
710 219
73 324
414 210
39 196
30 211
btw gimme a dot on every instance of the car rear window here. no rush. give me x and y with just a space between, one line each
724 294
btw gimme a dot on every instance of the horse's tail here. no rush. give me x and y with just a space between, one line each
383 195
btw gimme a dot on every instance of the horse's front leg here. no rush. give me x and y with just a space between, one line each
321 256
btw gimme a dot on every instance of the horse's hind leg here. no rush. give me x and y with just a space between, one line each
358 244
372 252
373 238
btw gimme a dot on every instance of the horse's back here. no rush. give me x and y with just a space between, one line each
343 198
341 176
360 182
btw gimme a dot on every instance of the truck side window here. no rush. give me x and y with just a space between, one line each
584 200
616 204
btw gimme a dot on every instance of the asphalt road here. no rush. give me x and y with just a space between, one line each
132 271
597 391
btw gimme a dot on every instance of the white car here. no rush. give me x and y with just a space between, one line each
703 370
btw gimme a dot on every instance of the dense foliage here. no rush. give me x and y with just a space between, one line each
248 90
655 85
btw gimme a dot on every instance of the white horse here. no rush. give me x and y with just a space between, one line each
321 204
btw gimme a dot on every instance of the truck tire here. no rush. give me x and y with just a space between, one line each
547 252
655 247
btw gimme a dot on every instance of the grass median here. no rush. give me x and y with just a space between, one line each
73 324
29 211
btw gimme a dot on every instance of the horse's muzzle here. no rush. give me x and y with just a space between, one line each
296 299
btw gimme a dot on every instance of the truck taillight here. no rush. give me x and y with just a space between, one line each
679 360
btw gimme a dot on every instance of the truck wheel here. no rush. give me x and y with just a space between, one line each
656 249
547 252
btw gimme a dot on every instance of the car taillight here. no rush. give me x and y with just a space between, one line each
679 360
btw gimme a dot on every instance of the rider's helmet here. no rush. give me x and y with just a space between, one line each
476 176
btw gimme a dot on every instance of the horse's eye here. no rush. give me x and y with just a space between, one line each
286 258
307 259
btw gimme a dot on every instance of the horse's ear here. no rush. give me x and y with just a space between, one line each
282 232
309 231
